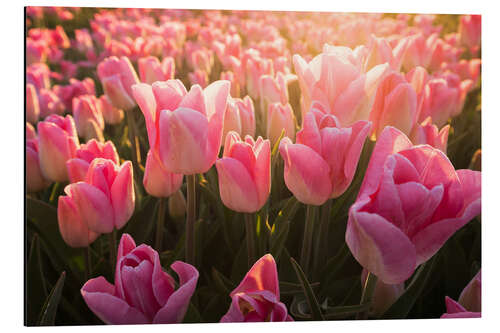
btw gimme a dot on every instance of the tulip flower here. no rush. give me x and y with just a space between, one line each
111 114
245 173
395 105
428 133
198 77
280 117
384 295
411 201
178 122
239 117
235 85
151 70
335 79
143 293
30 132
73 228
49 103
470 297
117 77
255 68
88 114
106 199
35 181
469 30
257 297
322 163
38 74
58 142
85 154
455 310
74 89
274 90
157 181
32 106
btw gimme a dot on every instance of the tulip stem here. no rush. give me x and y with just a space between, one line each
305 255
136 152
112 249
366 296
320 244
250 233
86 261
191 203
160 224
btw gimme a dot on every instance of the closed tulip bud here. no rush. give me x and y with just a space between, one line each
143 292
36 51
111 114
410 202
257 297
58 142
106 199
255 68
35 180
470 297
177 205
428 133
469 30
244 173
395 105
239 117
384 295
151 70
85 154
38 74
280 117
198 77
32 106
274 90
157 181
179 122
117 77
74 231
88 116
49 103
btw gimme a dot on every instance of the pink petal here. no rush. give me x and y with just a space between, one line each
262 276
123 195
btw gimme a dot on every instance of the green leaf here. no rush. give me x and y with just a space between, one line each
290 288
142 222
48 314
36 286
278 239
192 315
308 292
343 311
287 212
224 285
405 302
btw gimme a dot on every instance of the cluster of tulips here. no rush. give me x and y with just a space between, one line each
264 115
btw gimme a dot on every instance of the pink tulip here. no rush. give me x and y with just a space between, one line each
274 90
143 292
157 181
106 198
87 110
35 181
470 297
36 51
178 122
38 74
379 51
111 114
58 142
335 79
32 106
239 117
279 117
465 69
395 105
410 202
255 68
151 70
418 78
117 77
74 89
231 77
73 228
428 133
455 310
30 132
322 163
419 50
49 103
244 173
257 297
198 77
470 31
384 295
85 154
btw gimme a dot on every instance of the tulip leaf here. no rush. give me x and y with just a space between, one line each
405 302
49 310
308 291
223 283
338 312
299 309
287 212
290 288
192 315
142 222
278 240
36 286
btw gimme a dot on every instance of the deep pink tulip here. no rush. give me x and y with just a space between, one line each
410 202
74 89
239 117
38 74
455 310
428 133
106 198
49 103
257 297
395 105
244 173
32 106
143 292
280 117
151 70
117 76
157 181
35 181
58 142
36 51
470 297
322 163
470 31
335 79
85 154
178 122
88 116
111 114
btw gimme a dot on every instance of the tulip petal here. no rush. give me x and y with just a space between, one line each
123 195
262 276
143 94
73 229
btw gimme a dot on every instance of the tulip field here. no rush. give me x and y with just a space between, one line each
205 166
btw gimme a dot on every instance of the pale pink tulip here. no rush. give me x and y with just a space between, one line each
239 117
244 173
38 74
35 181
198 77
111 114
280 117
274 90
32 106
74 89
257 297
469 30
157 181
87 110
151 70
411 201
428 133
49 103
143 292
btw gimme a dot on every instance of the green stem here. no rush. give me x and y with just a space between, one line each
112 249
191 208
305 255
320 244
136 153
250 233
366 296
54 191
160 224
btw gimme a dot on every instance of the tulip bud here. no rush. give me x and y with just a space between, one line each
111 114
239 117
49 103
177 205
74 231
150 69
199 77
470 297
34 178
280 117
32 106
158 182
88 117
428 133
